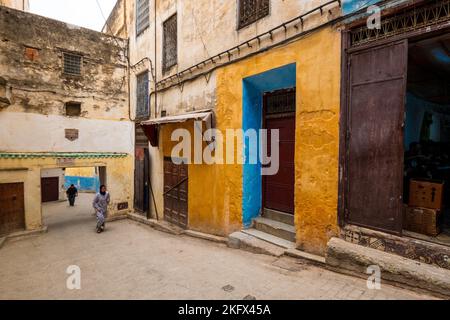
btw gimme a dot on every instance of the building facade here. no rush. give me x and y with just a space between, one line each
217 61
63 104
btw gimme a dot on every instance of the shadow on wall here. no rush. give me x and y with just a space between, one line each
254 87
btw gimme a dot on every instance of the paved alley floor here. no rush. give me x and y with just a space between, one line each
131 261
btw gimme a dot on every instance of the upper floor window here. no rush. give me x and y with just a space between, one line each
251 11
142 16
142 103
72 64
73 109
170 46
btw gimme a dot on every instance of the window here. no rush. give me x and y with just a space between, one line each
170 46
73 109
142 16
251 11
72 64
142 103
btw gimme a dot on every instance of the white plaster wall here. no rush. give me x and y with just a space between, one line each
28 132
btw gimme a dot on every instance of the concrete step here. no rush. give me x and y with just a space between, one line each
270 238
243 241
279 216
354 259
275 228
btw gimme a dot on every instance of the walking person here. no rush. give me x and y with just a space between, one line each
72 193
101 202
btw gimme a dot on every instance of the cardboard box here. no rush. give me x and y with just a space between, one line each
423 221
426 194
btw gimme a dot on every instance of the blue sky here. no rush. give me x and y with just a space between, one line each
353 5
85 13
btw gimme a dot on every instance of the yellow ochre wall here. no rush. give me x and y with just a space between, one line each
28 171
215 191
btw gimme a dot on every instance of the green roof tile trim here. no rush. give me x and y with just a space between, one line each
60 155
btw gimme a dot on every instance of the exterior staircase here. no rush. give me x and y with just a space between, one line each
274 227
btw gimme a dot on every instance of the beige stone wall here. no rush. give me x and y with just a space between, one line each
35 89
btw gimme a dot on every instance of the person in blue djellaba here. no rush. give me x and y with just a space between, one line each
100 204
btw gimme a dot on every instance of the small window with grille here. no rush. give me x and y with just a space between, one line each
72 64
170 45
142 103
251 11
142 16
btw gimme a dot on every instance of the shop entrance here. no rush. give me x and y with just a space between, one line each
427 140
397 138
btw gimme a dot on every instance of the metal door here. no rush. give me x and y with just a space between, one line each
278 190
176 193
377 92
50 189
12 208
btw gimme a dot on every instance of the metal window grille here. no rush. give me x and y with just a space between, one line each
251 11
170 47
72 64
280 102
414 19
142 107
142 16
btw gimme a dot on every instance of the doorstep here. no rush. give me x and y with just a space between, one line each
346 257
260 243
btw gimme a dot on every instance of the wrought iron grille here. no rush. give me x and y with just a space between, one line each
142 103
411 20
142 16
280 102
170 46
251 11
72 64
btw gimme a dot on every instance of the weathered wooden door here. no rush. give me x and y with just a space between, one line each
278 189
12 208
377 91
176 193
50 189
141 180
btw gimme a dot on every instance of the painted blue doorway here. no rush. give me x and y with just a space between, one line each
254 88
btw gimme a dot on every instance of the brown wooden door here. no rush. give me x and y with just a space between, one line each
12 208
278 190
375 137
50 189
141 180
176 193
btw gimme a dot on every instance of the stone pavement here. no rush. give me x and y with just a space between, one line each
132 261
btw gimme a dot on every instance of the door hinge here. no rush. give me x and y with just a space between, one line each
346 214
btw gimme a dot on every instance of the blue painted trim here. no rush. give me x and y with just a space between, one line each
253 90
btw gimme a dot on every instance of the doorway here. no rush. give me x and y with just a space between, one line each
12 208
176 193
279 114
396 139
56 210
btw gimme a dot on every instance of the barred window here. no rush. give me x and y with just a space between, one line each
142 16
251 11
142 107
170 45
72 64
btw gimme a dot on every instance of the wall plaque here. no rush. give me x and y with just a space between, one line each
72 134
